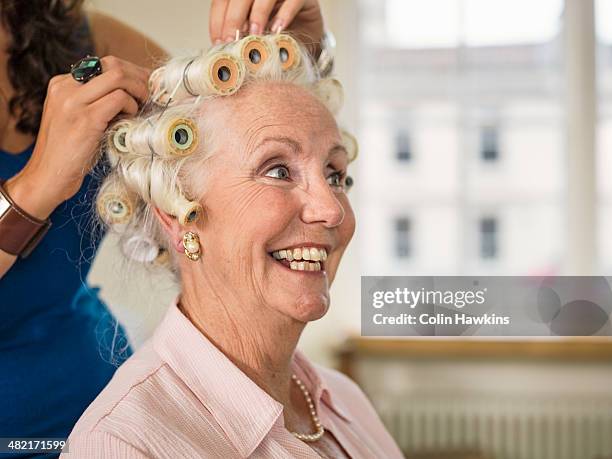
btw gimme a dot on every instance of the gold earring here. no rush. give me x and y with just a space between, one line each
191 243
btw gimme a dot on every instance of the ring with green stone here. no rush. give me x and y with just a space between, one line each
85 69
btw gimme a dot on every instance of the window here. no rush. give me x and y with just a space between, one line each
459 87
403 247
488 238
402 147
449 23
489 150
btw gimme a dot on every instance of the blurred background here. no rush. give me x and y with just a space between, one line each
485 129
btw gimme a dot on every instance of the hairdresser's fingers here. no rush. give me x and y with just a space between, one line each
123 77
61 78
286 14
55 86
55 91
260 15
105 109
237 12
216 18
110 62
62 84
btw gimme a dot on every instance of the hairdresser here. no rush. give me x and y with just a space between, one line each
59 344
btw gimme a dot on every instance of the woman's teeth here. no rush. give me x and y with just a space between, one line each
302 259
305 266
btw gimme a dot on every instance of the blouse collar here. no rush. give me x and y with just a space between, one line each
244 411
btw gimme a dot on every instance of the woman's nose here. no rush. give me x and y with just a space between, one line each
322 205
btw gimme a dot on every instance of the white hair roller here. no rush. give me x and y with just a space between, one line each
218 73
288 51
167 195
141 248
254 51
166 84
157 87
115 203
189 212
167 136
182 136
331 93
116 147
222 73
351 145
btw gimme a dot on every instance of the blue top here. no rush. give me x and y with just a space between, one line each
59 344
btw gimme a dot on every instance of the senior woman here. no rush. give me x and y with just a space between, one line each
236 180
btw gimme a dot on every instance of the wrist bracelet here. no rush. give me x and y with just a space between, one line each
19 231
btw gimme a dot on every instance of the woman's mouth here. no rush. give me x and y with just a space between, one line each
302 258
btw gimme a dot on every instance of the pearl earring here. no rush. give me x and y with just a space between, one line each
191 243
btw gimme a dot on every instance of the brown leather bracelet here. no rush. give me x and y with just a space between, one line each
19 231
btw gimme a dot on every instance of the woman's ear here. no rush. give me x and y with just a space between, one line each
171 227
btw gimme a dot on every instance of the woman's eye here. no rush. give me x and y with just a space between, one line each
278 172
336 179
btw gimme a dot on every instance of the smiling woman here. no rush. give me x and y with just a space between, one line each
234 178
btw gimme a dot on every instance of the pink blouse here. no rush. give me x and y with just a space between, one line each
179 396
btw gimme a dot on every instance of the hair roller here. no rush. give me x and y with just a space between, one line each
167 136
189 213
225 73
168 83
288 51
115 204
182 136
141 248
255 52
117 140
351 145
167 195
218 73
331 93
157 87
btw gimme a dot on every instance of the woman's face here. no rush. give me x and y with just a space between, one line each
274 187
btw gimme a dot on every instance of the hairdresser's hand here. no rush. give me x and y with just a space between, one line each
303 17
74 118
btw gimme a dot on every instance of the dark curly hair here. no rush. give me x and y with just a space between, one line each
45 38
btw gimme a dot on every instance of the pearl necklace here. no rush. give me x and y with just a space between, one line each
313 414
